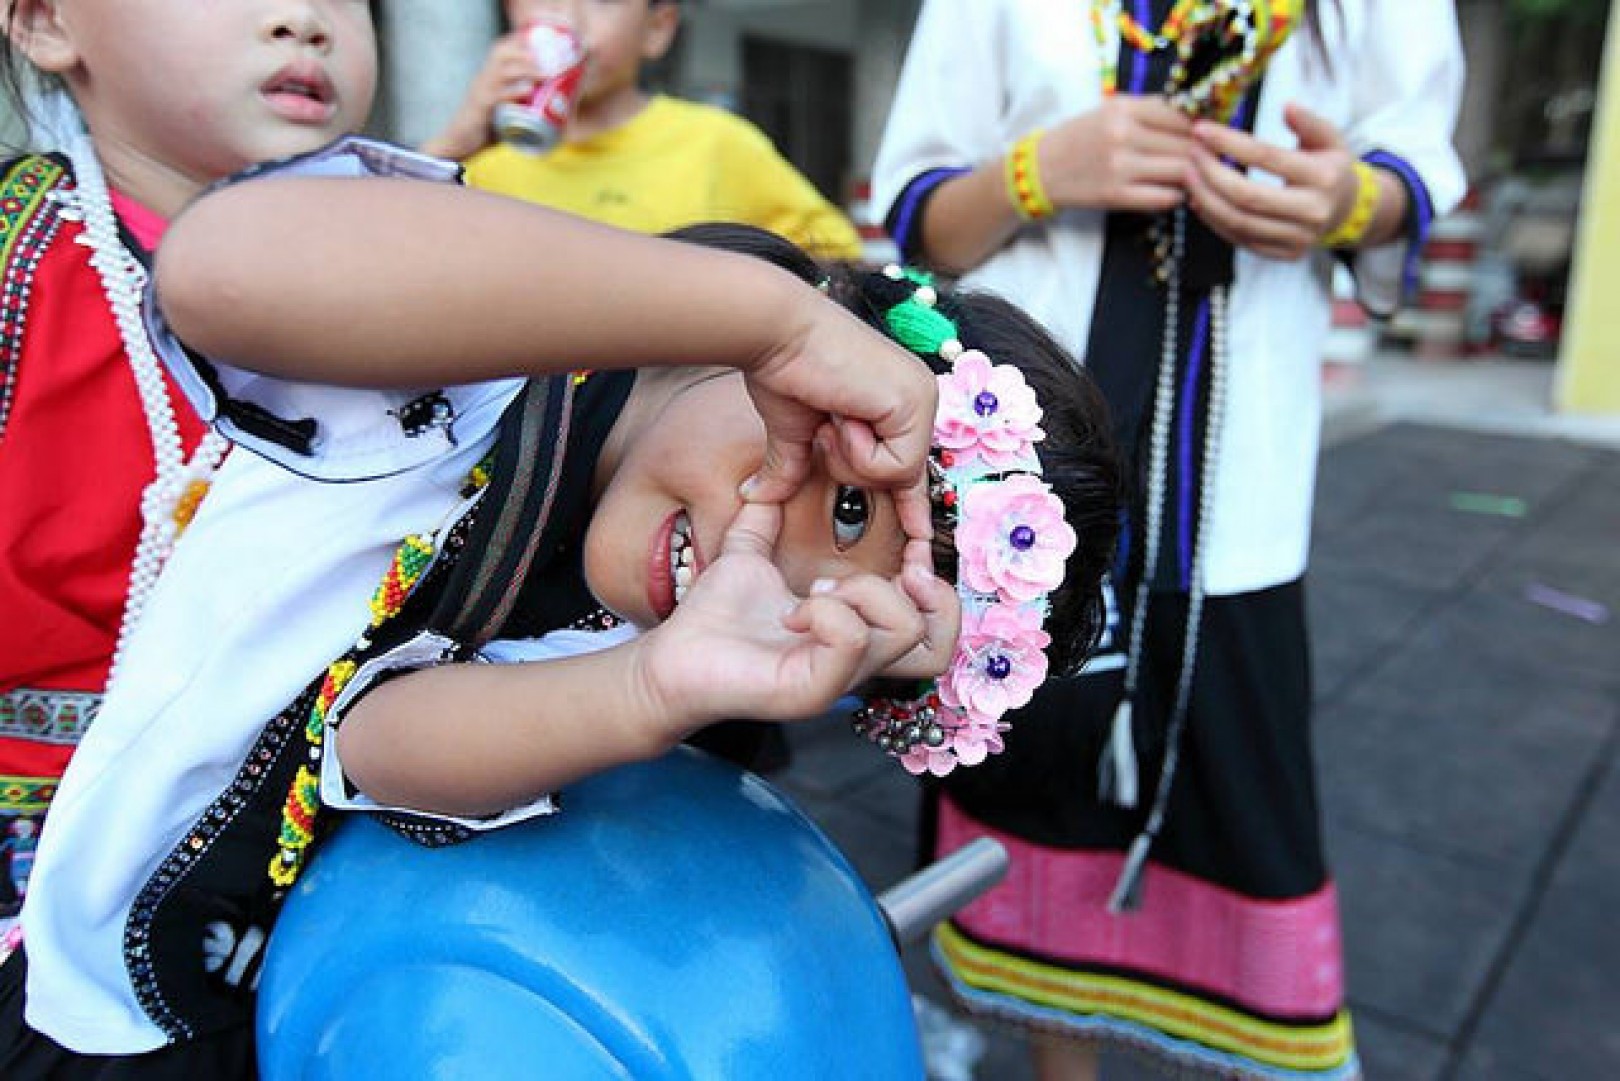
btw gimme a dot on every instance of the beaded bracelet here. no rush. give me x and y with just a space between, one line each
1353 229
1024 186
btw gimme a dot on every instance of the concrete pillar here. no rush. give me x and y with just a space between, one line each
431 51
1588 378
883 32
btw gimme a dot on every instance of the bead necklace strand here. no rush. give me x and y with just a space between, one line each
171 498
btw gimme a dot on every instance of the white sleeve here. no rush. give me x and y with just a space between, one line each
948 106
320 431
1408 72
427 650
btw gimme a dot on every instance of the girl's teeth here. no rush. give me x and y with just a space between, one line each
682 558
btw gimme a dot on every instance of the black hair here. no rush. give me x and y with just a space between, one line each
1078 456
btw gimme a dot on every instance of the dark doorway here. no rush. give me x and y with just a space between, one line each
801 97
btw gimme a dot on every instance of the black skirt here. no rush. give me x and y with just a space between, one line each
26 1055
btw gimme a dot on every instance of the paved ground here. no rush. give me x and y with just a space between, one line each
1465 602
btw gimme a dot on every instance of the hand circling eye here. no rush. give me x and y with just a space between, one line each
851 513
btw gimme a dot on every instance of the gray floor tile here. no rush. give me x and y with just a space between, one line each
1356 617
1486 1066
1508 630
1590 866
1455 779
1421 928
1581 576
1426 547
829 759
1553 1012
1391 1052
1453 669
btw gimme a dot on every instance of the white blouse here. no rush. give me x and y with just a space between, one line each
980 74
269 584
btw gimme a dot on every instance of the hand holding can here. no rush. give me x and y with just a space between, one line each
537 124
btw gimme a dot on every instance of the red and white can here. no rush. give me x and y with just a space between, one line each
537 124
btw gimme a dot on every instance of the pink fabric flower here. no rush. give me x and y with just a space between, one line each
987 410
1012 539
999 662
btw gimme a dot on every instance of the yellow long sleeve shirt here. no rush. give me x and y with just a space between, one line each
675 163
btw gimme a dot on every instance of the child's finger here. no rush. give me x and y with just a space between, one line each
876 463
753 531
786 465
833 659
941 609
895 623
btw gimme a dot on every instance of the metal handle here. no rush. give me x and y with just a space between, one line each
916 903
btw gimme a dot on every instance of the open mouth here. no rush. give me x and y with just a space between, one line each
301 91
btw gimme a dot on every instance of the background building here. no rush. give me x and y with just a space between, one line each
818 76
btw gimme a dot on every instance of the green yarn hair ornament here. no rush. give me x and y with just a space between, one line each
920 328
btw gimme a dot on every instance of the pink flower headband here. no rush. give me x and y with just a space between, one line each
1012 541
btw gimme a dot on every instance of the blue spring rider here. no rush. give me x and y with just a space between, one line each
678 920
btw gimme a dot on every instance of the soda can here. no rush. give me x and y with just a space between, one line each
536 124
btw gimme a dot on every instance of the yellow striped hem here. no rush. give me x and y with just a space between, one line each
1304 1048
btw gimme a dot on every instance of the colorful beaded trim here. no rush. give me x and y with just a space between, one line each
1011 540
26 232
1244 33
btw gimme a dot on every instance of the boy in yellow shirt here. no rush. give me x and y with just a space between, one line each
629 158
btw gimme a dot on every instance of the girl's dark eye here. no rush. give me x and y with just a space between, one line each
851 512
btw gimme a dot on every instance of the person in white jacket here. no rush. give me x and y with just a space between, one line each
1167 186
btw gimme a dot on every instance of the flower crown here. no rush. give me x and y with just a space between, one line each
1011 538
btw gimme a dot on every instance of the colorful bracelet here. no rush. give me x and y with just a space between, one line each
1024 186
1353 229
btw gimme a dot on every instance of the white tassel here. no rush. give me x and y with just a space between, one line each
1127 896
1117 778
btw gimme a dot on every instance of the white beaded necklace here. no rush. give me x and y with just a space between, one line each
123 280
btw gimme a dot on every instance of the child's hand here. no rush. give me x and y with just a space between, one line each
1129 153
509 74
1284 221
870 401
742 645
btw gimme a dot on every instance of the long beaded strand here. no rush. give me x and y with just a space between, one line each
169 500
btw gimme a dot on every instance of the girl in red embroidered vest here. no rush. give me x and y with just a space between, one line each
102 462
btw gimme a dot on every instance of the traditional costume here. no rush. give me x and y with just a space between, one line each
157 949
101 464
1168 890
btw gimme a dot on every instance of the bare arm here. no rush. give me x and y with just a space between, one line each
382 281
387 282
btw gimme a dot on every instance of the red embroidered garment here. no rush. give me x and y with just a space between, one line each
75 455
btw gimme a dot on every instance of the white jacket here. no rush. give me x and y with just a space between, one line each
982 73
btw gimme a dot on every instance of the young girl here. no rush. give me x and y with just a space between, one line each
1166 185
590 524
648 162
101 461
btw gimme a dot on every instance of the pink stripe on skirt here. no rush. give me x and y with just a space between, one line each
1280 958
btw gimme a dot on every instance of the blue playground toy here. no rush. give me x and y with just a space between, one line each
680 920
